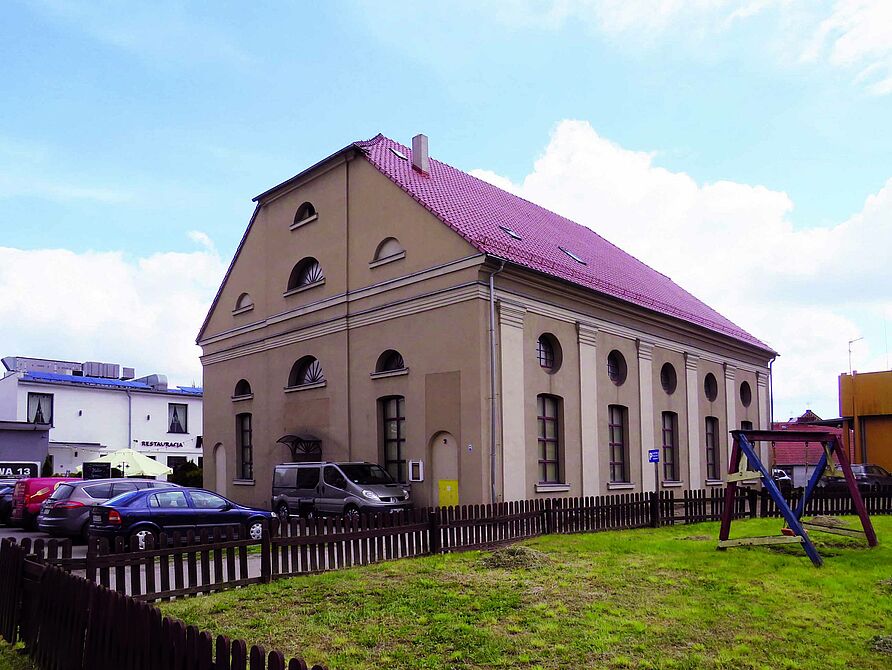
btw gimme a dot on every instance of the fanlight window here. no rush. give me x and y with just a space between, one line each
388 248
616 367
305 273
307 370
304 212
242 388
710 387
244 301
390 360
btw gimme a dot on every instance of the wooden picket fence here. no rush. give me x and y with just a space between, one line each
67 622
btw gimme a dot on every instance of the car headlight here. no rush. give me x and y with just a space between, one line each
406 493
371 495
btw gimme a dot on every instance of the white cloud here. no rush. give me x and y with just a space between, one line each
806 292
142 312
854 36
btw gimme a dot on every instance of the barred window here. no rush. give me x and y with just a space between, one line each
243 439
548 417
712 448
617 422
670 446
393 436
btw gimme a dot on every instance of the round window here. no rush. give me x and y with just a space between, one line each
746 394
548 353
711 387
616 367
668 378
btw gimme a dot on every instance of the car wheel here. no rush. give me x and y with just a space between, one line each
351 512
142 537
283 514
255 529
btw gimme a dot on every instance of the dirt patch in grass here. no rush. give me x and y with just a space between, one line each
515 558
699 538
881 643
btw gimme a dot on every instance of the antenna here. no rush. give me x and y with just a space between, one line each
851 342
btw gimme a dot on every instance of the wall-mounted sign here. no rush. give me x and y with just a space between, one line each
416 471
97 470
148 443
19 469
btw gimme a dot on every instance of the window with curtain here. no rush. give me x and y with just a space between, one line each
177 418
40 408
549 418
712 448
393 436
670 446
617 422
245 445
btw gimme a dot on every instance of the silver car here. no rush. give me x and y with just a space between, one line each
347 489
67 511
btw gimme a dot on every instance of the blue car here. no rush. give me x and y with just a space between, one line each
146 513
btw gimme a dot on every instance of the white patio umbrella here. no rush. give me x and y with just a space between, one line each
133 464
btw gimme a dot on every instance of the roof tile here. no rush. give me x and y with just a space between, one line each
477 211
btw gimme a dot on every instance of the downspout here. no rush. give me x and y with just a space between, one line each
492 382
129 420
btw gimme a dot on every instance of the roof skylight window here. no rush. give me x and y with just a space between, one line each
510 232
573 256
399 154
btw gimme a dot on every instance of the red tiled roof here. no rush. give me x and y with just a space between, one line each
476 209
804 453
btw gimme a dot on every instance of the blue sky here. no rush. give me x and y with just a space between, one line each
141 133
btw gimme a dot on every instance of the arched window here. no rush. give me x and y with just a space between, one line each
668 378
304 212
390 248
548 353
306 273
242 388
616 367
710 387
305 371
746 394
244 302
390 360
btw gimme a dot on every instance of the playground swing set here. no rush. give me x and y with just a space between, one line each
745 465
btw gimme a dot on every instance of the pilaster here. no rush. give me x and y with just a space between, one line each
587 336
730 414
646 403
762 401
692 384
511 359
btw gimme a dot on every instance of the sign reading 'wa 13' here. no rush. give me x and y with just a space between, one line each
19 469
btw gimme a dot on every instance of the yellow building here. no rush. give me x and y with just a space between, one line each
865 402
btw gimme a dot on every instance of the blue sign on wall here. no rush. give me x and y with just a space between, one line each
653 455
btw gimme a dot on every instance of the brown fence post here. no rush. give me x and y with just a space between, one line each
753 497
433 519
654 509
265 555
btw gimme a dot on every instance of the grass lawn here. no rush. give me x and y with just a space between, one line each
662 598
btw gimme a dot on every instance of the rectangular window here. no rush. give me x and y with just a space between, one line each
393 436
670 446
176 462
177 418
245 446
548 417
616 426
746 425
40 408
712 448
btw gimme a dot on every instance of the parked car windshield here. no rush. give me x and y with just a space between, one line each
62 492
122 500
870 470
365 473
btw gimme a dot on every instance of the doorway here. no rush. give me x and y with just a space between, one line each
220 468
444 457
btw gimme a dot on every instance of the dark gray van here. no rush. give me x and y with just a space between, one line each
347 489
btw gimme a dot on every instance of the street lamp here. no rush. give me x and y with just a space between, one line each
851 342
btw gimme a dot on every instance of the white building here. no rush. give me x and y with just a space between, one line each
96 408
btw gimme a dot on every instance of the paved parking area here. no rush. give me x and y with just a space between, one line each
78 549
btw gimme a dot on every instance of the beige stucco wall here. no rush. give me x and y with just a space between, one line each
432 306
